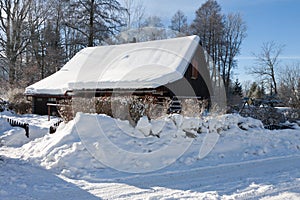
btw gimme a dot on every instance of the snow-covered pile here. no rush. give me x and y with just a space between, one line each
76 149
15 136
22 180
4 125
62 151
223 157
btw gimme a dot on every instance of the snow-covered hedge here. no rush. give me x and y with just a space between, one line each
268 115
130 108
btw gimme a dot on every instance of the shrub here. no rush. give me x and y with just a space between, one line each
268 115
193 107
130 108
18 102
66 110
3 105
126 107
292 115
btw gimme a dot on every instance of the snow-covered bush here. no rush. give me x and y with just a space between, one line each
85 105
193 107
66 110
132 108
268 115
126 107
129 107
147 106
155 108
103 105
292 115
18 102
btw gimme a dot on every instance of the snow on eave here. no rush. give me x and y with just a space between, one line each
128 66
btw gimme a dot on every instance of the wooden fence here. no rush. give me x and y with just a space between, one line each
25 126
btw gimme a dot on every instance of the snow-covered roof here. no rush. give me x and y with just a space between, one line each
127 66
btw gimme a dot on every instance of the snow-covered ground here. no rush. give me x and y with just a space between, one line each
97 157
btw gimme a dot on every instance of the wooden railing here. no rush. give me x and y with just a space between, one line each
54 127
25 126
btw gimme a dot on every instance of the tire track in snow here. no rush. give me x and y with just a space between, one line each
243 180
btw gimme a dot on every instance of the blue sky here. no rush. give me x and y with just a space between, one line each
267 20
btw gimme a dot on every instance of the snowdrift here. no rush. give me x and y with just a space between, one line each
70 150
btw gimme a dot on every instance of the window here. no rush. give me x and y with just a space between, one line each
195 72
51 99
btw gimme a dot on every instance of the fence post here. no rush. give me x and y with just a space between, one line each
26 130
49 113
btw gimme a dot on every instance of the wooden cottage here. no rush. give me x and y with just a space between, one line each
173 68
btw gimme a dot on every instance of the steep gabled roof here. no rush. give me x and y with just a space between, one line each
126 66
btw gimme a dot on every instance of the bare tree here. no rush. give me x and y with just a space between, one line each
221 36
153 21
71 41
14 35
135 13
43 21
3 70
94 20
208 25
55 57
179 22
289 87
267 62
233 35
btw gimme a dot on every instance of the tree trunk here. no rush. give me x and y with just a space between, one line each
12 73
91 25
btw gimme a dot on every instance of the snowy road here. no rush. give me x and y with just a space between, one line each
21 180
278 176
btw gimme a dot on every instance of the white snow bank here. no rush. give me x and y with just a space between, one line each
69 151
12 136
241 139
247 160
63 152
4 126
15 136
22 180
93 142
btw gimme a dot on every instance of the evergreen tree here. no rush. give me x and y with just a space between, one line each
252 89
237 88
256 91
